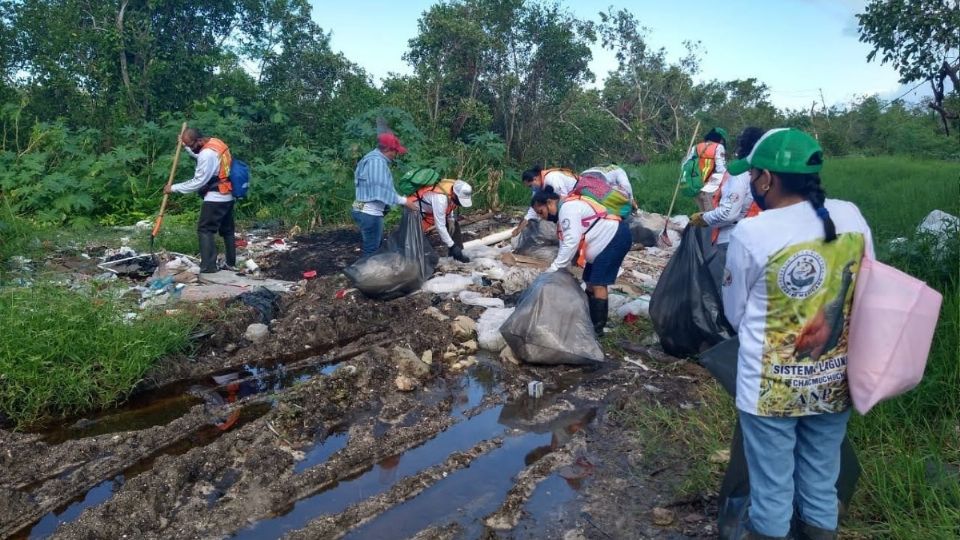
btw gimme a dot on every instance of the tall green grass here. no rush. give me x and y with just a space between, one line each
64 351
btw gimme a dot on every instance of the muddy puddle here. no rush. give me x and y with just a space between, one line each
466 495
103 491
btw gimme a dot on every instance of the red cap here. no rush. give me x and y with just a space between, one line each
389 141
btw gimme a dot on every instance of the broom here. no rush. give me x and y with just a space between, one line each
663 239
166 196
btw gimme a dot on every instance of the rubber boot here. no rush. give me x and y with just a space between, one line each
750 535
208 253
598 313
230 251
809 532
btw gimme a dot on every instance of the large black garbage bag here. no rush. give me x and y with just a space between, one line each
538 239
686 308
551 324
721 362
400 266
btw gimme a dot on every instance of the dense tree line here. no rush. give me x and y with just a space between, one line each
89 90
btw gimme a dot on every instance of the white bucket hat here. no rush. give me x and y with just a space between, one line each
464 193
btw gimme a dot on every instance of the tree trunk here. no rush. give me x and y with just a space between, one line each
124 72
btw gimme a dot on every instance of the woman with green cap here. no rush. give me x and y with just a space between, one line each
787 289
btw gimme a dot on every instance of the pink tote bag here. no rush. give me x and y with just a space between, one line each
892 322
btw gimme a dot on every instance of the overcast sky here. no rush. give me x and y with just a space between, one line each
796 47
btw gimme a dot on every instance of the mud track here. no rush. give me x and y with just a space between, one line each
306 436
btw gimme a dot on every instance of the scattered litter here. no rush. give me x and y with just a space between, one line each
257 332
652 389
637 363
477 299
310 274
262 299
447 283
535 389
489 337
436 314
720 456
251 265
638 308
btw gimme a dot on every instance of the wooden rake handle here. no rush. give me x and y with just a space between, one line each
173 172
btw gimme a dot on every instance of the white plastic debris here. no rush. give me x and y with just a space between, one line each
614 301
940 224
447 283
476 299
639 307
257 332
535 389
488 329
518 278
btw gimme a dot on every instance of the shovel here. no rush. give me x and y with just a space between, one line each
663 240
163 205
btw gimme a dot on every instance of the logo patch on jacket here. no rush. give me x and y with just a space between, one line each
802 274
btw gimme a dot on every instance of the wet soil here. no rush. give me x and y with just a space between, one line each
306 435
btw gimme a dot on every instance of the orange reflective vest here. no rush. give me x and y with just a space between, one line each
706 159
588 222
223 175
444 187
717 196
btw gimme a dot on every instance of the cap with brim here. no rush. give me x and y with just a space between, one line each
782 150
464 193
389 141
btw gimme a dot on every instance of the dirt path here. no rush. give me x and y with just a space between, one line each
306 435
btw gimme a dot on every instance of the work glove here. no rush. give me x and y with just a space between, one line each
697 220
456 251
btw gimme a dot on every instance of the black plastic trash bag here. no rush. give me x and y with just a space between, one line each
642 235
400 266
551 324
721 362
686 308
263 300
538 239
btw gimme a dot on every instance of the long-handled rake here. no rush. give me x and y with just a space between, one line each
663 239
163 205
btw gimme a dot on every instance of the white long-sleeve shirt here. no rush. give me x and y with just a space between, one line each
719 168
208 166
571 218
562 185
437 203
734 204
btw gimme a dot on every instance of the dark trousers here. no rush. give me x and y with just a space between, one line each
216 218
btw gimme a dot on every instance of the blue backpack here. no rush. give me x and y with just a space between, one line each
239 178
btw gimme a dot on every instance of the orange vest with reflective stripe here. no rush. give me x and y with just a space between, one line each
600 213
717 196
223 174
444 187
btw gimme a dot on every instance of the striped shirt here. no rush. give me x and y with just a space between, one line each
374 183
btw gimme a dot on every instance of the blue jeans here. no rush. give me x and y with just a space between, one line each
371 229
793 460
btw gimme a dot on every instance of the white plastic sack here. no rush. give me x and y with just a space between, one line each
476 299
518 278
488 329
447 283
614 301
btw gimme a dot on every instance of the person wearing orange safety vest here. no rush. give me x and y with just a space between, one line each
561 180
732 201
712 160
211 180
437 204
589 237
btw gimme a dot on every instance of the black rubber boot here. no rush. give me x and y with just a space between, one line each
809 532
750 535
598 314
230 250
208 253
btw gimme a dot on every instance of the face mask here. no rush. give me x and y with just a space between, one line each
553 217
757 197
